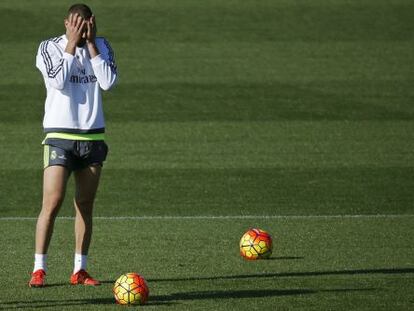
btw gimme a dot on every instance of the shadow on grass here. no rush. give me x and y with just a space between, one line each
56 304
291 274
205 295
286 258
177 297
257 293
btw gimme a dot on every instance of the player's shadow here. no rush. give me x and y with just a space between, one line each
57 285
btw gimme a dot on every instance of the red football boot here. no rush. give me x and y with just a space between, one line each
38 278
82 277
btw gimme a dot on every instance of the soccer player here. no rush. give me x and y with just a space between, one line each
76 67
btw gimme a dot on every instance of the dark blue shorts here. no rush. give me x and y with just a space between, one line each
74 154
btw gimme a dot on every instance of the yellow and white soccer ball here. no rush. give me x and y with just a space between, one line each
256 244
131 288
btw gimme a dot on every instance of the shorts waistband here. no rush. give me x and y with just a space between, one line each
90 137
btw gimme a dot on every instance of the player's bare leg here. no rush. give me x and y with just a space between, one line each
54 186
87 181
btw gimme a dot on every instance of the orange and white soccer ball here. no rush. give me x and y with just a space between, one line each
256 244
130 289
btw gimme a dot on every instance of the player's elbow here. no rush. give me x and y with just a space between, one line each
107 85
59 85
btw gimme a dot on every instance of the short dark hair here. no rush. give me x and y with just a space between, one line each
82 9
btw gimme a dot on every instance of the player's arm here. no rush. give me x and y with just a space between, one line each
91 37
102 59
55 65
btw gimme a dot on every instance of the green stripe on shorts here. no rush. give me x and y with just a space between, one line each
46 156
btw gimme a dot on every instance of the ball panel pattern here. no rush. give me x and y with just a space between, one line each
256 244
130 288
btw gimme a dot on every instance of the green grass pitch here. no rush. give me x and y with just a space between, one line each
293 116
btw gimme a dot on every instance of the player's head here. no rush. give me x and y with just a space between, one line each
82 9
85 12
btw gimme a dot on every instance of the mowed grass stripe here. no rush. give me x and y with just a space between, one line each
360 65
213 21
242 101
199 82
238 145
222 192
214 218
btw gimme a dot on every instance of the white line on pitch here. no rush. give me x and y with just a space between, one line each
207 217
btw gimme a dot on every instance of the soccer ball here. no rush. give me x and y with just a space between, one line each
131 288
256 244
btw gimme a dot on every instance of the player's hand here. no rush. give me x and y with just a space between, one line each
90 36
91 30
75 27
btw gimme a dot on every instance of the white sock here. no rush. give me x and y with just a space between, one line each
80 262
40 262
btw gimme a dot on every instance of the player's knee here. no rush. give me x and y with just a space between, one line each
84 204
51 204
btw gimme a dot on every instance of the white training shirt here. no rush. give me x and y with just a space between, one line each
73 84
